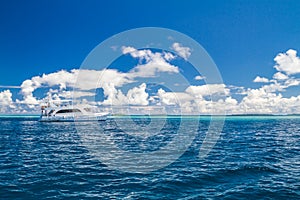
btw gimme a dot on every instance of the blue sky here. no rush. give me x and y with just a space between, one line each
242 37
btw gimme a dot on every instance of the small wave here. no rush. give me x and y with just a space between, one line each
245 173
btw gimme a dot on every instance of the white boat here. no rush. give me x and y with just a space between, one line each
65 111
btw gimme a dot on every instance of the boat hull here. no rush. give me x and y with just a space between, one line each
72 118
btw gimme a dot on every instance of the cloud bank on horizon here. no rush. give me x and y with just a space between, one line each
192 99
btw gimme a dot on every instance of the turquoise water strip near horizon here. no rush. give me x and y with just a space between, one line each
201 117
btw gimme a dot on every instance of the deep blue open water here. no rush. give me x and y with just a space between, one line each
254 158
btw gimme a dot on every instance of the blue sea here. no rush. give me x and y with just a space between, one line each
253 157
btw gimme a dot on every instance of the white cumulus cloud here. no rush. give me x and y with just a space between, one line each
173 98
6 101
182 51
259 79
194 99
198 78
280 76
134 96
84 80
207 90
151 62
259 101
61 78
288 62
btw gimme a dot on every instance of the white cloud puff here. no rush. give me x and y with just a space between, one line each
154 62
61 78
138 95
6 101
288 62
280 76
192 100
208 90
182 51
198 78
135 96
259 101
91 79
173 98
259 79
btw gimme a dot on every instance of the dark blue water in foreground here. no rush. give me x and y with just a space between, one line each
254 158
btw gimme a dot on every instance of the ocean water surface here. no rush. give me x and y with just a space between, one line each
255 157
